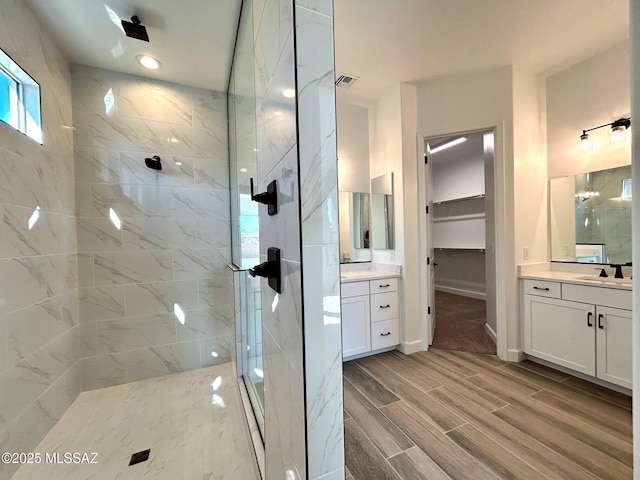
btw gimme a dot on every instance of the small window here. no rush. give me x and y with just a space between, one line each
19 99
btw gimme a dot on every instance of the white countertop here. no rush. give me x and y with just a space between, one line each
579 279
363 275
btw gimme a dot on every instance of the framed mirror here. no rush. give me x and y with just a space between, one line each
382 218
590 217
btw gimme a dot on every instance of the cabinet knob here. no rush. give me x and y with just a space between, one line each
385 306
384 286
589 315
385 334
600 317
546 289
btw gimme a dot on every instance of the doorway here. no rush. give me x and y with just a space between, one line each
459 191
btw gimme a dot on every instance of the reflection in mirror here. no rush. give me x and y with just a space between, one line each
591 217
360 223
355 224
382 220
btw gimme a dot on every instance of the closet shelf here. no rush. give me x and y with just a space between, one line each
459 249
461 199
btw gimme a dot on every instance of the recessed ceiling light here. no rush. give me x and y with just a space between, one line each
148 62
289 93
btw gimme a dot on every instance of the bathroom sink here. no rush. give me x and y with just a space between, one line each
607 280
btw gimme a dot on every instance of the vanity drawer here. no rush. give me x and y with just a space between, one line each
384 334
384 306
542 288
608 297
383 285
354 289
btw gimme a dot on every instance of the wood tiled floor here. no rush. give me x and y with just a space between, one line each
463 416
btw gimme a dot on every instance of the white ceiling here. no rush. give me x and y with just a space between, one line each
193 39
385 42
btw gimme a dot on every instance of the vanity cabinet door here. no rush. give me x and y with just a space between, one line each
356 326
613 341
561 332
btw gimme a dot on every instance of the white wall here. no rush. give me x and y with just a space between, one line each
353 148
588 94
385 150
353 170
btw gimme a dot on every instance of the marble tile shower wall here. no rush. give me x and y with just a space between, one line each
277 159
39 332
297 147
320 236
155 294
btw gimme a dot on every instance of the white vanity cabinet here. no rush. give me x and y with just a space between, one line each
369 316
575 326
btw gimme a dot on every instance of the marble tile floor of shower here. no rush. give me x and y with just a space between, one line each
193 423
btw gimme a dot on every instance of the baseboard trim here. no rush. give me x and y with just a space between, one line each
515 355
410 347
462 292
492 334
588 378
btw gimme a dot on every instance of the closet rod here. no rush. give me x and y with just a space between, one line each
446 249
461 199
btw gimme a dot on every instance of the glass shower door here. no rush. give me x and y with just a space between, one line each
244 213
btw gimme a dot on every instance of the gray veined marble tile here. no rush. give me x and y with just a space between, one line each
133 333
196 142
158 233
161 297
200 203
96 165
176 171
22 283
31 328
127 201
215 351
324 7
104 371
148 99
112 268
210 109
21 181
33 231
267 45
94 89
168 359
101 303
85 269
213 233
204 324
98 130
60 273
98 235
213 172
200 264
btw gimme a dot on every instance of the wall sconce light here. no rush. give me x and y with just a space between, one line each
618 129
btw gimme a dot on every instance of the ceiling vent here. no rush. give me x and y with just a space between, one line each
345 80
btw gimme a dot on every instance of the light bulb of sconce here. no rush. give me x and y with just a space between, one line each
288 93
617 134
585 143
